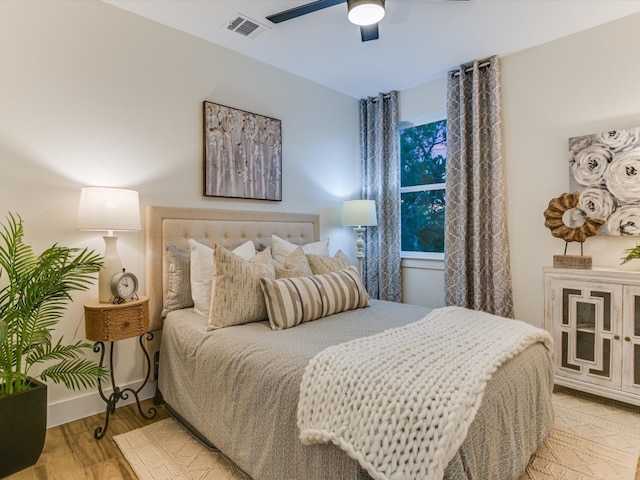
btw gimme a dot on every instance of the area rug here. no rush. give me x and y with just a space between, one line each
590 441
166 451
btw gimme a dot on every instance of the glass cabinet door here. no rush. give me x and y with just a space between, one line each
586 331
631 340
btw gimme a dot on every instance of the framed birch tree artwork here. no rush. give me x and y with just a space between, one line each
605 170
242 154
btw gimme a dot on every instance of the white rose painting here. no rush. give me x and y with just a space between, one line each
605 169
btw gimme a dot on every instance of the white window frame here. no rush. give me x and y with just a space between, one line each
436 117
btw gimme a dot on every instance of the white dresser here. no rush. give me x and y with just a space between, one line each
594 319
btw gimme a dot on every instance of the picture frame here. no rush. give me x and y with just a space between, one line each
242 154
604 168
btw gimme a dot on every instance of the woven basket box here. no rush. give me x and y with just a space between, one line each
108 323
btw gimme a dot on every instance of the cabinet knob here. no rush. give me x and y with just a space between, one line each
627 339
616 337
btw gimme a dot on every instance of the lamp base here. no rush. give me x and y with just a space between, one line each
110 267
360 247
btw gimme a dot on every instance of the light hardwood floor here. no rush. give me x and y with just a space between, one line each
71 453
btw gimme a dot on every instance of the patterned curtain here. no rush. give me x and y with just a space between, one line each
380 182
477 267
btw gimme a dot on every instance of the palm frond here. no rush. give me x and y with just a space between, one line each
33 299
44 352
74 374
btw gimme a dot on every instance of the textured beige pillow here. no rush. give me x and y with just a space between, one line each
203 270
292 301
281 248
321 264
236 297
296 265
179 282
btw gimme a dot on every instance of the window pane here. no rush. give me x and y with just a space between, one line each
585 346
423 221
586 316
423 153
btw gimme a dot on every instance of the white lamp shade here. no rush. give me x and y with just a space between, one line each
107 208
365 12
359 213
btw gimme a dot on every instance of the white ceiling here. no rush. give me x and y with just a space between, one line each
419 39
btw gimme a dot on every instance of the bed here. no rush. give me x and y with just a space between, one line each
237 388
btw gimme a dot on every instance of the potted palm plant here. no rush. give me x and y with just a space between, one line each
34 292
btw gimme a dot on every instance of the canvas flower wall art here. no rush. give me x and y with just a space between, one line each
605 170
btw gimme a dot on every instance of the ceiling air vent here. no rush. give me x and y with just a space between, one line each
245 26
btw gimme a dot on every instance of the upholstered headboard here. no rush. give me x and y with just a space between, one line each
229 228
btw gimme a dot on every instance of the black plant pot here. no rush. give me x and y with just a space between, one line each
23 427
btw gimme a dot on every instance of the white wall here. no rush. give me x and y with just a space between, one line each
581 84
93 95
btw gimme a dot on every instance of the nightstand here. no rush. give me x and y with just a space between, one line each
107 322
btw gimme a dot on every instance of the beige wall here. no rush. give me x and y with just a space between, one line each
93 95
582 84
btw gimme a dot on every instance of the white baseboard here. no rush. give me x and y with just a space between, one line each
90 404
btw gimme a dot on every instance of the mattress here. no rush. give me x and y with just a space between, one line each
238 387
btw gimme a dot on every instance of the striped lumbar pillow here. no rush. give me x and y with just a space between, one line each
292 301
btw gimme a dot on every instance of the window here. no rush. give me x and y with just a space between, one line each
423 154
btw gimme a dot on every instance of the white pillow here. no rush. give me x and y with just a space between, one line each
281 248
202 272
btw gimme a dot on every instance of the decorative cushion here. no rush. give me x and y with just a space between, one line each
202 271
247 250
179 281
236 297
323 264
296 265
292 301
281 248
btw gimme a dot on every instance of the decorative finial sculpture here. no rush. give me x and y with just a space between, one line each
570 223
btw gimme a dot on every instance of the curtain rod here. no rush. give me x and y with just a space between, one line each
456 73
375 99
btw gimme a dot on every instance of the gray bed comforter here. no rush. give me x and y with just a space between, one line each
239 388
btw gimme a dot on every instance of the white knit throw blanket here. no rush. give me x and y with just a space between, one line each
401 402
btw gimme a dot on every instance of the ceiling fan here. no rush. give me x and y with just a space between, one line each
364 13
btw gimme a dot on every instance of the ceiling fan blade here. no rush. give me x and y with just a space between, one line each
369 32
303 10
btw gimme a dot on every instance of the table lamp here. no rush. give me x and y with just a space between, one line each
110 209
359 214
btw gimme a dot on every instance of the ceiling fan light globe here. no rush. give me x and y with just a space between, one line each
365 12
